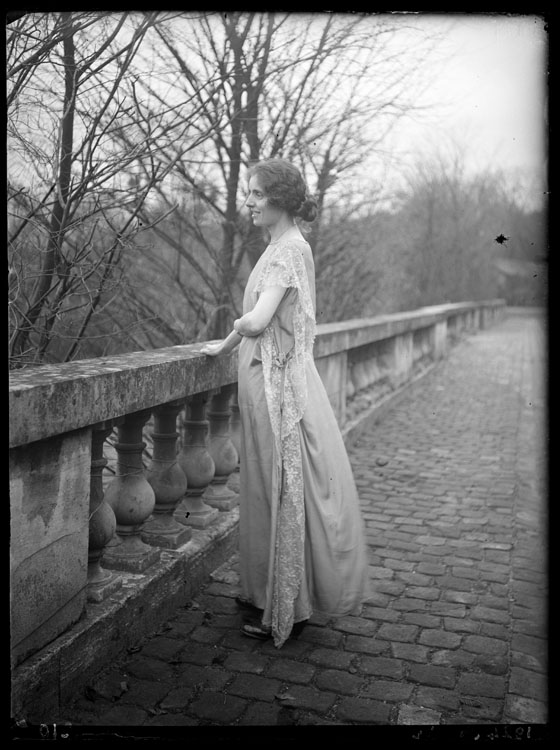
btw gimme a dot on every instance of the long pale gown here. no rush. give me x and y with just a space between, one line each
301 538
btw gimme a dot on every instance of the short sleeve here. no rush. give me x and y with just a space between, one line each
284 268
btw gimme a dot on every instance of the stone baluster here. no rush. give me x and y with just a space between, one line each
132 498
197 464
168 481
235 432
102 522
222 450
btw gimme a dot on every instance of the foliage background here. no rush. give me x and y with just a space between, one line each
129 138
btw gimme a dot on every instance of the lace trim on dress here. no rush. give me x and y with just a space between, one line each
285 385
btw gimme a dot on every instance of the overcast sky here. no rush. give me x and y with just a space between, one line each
492 91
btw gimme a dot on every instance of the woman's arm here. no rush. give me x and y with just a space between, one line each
254 322
251 324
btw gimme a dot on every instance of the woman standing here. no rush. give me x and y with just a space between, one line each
301 539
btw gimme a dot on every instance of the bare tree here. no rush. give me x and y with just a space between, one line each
446 228
161 116
321 90
75 191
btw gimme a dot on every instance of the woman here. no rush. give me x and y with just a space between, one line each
301 540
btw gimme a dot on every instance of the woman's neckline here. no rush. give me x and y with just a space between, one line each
286 239
293 226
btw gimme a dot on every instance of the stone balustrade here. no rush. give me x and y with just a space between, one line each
74 537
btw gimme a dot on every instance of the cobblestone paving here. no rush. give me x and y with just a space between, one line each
452 485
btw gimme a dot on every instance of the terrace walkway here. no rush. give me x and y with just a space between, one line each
452 482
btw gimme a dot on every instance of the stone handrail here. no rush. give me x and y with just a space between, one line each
71 532
53 399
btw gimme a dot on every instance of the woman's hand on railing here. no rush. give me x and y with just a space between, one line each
217 348
213 350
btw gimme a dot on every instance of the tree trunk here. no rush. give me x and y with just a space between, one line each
52 254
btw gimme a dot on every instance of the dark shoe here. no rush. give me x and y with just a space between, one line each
256 631
297 629
246 604
263 634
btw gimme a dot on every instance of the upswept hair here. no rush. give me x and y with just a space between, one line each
285 188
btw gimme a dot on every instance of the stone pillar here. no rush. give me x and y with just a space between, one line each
132 498
197 464
423 347
50 483
363 369
402 359
168 481
102 522
223 452
333 370
439 339
452 331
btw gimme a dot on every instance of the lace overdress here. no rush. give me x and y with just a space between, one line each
301 537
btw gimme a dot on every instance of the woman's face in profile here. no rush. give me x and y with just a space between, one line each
262 214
